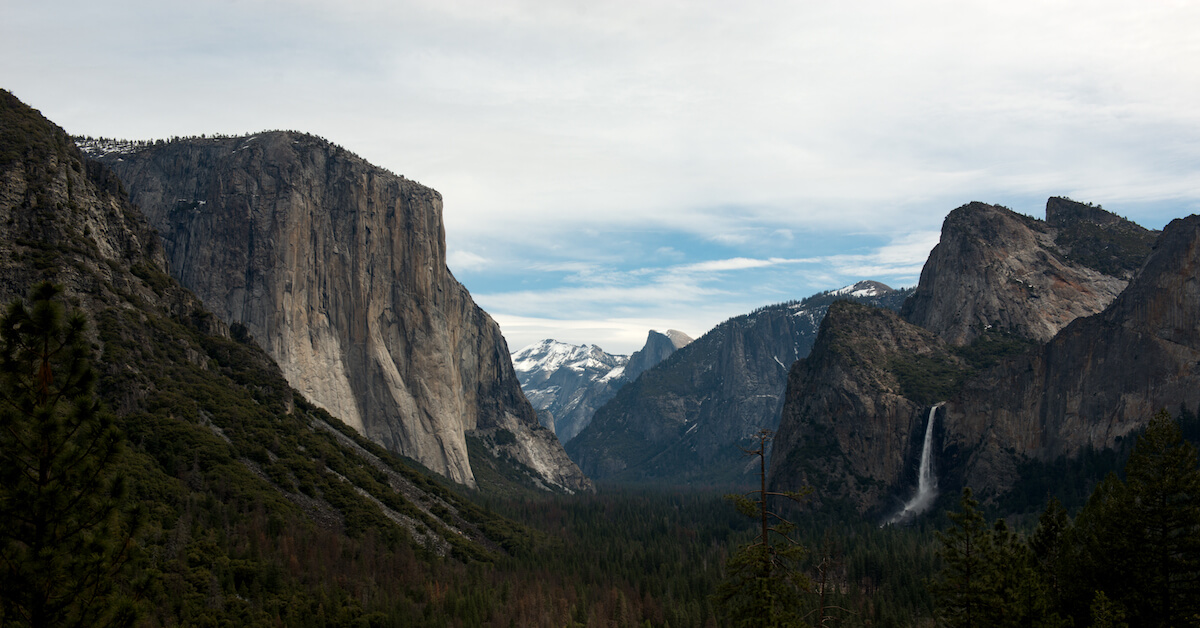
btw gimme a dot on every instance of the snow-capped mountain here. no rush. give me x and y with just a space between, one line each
566 382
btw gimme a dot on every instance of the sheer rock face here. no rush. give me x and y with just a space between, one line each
998 270
846 426
1099 379
338 269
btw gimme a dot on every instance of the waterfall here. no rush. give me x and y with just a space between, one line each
926 480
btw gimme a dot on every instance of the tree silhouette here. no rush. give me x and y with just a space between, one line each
64 536
763 583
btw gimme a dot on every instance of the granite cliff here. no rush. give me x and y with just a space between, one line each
681 421
337 268
1097 381
659 346
998 270
849 425
1016 325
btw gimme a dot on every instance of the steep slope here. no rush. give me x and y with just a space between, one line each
566 383
260 509
337 268
682 421
998 270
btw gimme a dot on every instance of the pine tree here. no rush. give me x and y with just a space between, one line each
1163 485
763 583
63 539
962 590
1139 540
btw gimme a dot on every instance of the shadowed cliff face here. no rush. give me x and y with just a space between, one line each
658 347
338 269
1099 379
997 270
855 408
682 421
847 427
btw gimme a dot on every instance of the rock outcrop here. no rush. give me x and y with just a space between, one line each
849 426
996 270
681 422
337 268
659 346
1004 334
209 422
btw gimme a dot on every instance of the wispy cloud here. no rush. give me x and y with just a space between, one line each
737 263
693 297
465 261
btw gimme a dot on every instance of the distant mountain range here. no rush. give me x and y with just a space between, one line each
566 383
681 422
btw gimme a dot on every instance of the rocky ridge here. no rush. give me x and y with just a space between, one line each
1097 381
337 268
996 270
681 421
566 383
1010 343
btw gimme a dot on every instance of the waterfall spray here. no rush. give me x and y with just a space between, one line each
926 480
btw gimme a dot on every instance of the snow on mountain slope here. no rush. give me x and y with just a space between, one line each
566 383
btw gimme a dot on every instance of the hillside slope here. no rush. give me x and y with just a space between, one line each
262 509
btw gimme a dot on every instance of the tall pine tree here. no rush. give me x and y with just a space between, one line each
763 582
1139 540
64 533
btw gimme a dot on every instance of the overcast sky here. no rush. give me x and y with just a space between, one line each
612 167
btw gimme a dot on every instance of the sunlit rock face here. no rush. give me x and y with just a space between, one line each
338 269
996 270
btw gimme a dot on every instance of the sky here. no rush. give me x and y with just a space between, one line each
613 167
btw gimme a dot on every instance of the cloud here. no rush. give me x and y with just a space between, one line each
465 261
901 259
